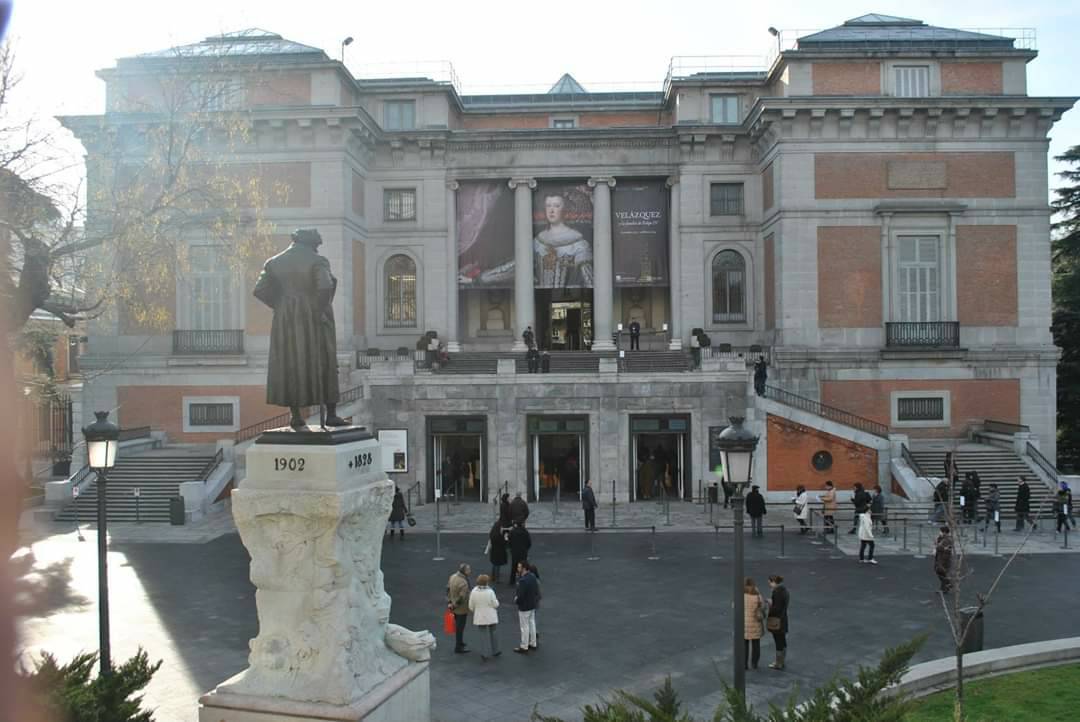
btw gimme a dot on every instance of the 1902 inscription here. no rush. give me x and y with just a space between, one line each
289 463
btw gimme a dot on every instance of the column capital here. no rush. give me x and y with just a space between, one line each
607 180
671 181
515 182
452 185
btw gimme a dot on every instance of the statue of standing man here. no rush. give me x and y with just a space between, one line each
298 285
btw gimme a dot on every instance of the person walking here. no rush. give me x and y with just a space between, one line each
527 598
496 549
967 500
941 500
877 510
861 500
1068 503
1022 505
992 504
866 537
519 510
777 620
398 512
635 336
528 337
943 549
801 508
695 351
505 520
1061 510
520 543
729 491
756 510
828 507
753 623
457 601
482 604
588 503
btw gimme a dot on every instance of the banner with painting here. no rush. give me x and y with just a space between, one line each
639 232
485 234
563 235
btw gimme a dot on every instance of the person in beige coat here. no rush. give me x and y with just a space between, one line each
753 623
828 507
482 604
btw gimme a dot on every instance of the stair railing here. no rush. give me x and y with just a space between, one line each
906 455
212 464
825 411
1043 463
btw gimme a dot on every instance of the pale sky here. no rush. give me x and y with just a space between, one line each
512 46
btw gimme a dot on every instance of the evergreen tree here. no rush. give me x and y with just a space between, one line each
1066 325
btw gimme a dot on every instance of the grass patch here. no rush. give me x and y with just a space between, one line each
1040 695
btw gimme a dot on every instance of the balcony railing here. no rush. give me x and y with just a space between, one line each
922 334
208 342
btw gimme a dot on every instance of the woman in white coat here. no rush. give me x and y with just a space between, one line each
483 603
802 508
866 537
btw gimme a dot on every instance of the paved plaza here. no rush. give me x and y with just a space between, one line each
620 621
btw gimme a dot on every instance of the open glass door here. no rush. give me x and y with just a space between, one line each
438 456
536 467
681 469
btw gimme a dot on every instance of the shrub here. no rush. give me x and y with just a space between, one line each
68 693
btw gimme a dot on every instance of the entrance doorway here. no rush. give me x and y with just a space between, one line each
456 469
558 457
660 458
564 319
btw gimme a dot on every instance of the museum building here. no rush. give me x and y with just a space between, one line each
867 212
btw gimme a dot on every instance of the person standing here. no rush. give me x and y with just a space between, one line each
941 500
753 623
1068 503
529 338
761 375
519 510
635 336
695 351
756 510
778 611
877 510
398 512
728 490
527 598
505 520
992 504
482 604
1061 510
828 507
588 503
967 499
801 508
861 500
866 537
1022 505
943 549
496 549
457 601
520 543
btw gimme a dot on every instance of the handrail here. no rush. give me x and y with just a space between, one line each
408 495
212 464
251 431
829 412
1004 427
906 455
1043 463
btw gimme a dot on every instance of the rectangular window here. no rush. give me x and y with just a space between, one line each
725 199
919 281
399 204
562 123
930 408
912 81
211 289
216 95
399 114
210 414
724 108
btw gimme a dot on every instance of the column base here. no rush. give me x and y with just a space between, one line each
675 344
453 347
603 345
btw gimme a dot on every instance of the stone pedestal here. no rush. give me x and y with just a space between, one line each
312 513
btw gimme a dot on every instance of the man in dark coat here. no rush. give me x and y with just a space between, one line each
943 549
635 336
761 375
1022 506
520 543
755 509
505 520
588 503
861 499
496 550
527 598
519 510
298 286
398 511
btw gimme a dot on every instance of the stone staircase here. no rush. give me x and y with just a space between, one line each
994 465
470 363
566 362
158 477
655 362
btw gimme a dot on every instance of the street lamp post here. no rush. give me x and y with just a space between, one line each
102 439
737 458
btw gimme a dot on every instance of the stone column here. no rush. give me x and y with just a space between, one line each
524 298
674 267
452 344
603 274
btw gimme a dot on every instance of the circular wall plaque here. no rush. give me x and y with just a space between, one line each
822 461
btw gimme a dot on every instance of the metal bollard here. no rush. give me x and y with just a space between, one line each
716 537
555 509
701 490
667 511
438 534
986 533
654 556
997 538
781 542
813 540
1066 546
920 555
613 503
712 522
137 492
904 547
592 546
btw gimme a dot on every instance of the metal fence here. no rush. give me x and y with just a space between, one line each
829 412
208 342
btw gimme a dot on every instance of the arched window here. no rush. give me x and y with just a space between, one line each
728 287
400 307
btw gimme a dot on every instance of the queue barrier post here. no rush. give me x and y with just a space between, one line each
904 546
654 556
438 533
592 545
781 542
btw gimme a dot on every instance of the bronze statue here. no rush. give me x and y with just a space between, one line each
298 285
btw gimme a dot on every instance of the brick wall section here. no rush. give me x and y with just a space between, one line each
847 78
276 89
770 282
971 79
622 120
866 175
359 287
520 122
972 400
849 276
792 446
162 407
767 187
986 292
534 121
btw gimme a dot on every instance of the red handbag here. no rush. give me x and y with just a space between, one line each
448 622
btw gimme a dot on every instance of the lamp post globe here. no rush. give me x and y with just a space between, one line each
737 446
102 440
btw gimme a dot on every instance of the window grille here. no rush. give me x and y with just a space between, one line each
728 287
210 414
399 204
726 199
920 409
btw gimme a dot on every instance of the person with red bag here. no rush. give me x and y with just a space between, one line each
457 602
